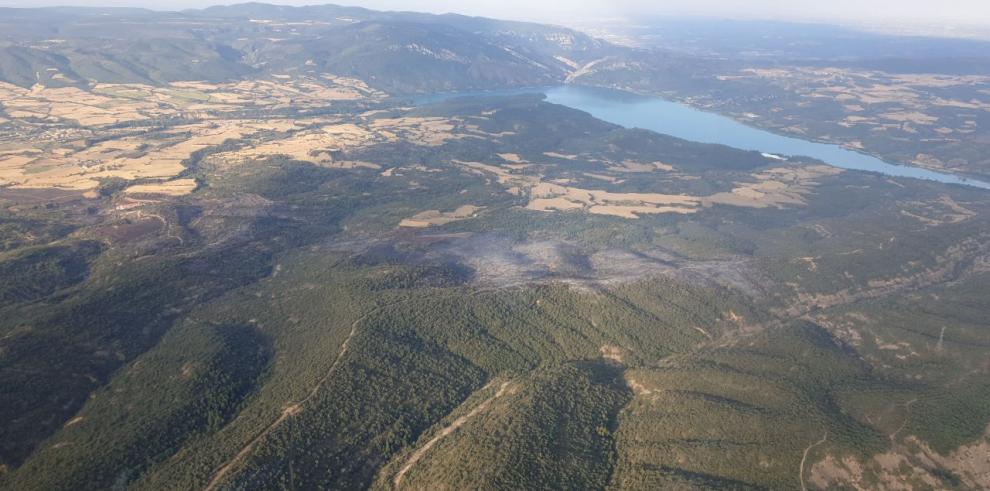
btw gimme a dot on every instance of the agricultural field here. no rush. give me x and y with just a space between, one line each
75 138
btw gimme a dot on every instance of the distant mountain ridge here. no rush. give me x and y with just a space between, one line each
400 52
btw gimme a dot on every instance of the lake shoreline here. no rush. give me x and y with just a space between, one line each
654 113
755 124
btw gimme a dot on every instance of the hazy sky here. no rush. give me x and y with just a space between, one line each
931 11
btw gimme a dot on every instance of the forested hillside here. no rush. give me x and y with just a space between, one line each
237 254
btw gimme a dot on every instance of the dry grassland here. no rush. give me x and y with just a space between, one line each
310 145
908 464
318 144
941 211
107 104
177 187
421 131
631 166
907 99
64 157
777 187
430 218
512 157
128 157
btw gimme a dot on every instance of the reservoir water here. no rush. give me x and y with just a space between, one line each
675 119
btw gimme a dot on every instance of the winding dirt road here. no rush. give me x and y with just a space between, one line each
805 458
418 454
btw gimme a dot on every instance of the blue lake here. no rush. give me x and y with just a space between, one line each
675 119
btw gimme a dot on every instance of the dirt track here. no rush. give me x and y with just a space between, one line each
292 408
418 454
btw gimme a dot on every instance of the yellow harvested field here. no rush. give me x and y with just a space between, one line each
973 104
556 155
316 145
880 102
633 212
774 187
313 146
128 157
297 91
858 119
503 175
64 157
631 166
554 197
106 104
430 218
421 131
70 103
512 157
16 161
178 187
777 187
910 117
